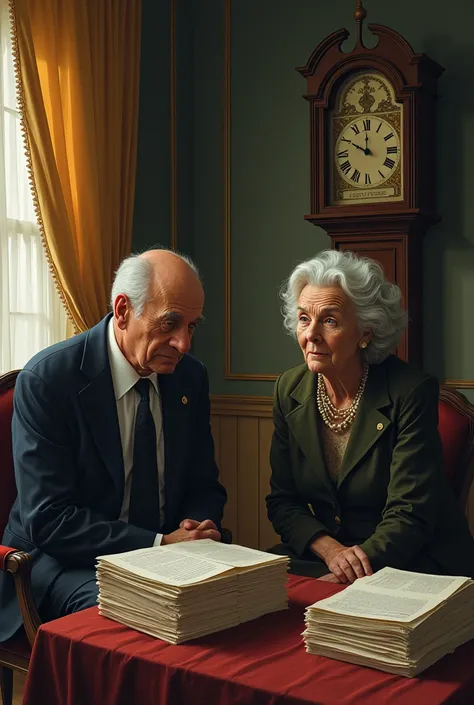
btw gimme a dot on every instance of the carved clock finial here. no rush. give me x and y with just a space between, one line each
359 15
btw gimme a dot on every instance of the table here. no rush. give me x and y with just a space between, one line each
86 659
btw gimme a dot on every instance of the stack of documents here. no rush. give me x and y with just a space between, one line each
186 590
394 620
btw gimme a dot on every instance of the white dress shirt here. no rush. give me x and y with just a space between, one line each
124 378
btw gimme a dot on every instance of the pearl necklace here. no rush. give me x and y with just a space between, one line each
339 420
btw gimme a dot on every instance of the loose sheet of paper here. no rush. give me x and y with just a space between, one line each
170 567
403 581
395 595
228 554
361 603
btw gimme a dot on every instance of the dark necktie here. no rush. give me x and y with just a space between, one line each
144 510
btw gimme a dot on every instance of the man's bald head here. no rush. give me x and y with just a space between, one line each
140 275
172 273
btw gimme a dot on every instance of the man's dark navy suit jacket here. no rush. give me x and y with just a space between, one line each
69 466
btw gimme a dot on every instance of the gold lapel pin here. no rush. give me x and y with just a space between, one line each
184 400
379 426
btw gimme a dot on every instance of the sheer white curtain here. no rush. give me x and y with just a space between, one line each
31 313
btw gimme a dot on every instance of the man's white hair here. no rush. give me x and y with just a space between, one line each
133 278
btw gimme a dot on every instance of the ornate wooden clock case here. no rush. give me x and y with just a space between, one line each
373 148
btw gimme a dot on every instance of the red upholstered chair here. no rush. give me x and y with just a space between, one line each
456 428
15 653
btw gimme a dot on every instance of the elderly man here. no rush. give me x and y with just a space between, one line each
111 439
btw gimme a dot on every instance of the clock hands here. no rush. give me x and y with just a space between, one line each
366 150
383 150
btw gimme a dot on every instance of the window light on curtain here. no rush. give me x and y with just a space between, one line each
31 313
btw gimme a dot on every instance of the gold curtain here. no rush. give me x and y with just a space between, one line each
77 65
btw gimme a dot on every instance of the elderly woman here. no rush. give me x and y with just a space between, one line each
357 470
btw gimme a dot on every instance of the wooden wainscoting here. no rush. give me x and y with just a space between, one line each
242 429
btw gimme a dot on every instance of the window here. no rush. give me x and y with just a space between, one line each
31 313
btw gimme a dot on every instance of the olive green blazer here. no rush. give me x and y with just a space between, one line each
391 495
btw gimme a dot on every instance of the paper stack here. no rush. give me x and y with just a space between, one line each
396 621
187 590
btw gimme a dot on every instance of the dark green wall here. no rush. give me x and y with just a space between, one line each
152 218
270 167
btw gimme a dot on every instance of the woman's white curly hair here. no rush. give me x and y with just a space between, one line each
377 302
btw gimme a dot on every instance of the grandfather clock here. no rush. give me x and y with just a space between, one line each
373 149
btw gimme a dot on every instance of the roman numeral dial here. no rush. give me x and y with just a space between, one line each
367 152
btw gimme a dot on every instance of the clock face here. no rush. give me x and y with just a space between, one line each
367 152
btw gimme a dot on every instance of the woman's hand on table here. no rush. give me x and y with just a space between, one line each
347 563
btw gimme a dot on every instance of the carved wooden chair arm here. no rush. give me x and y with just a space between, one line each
18 563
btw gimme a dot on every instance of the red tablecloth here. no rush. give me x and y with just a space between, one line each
86 659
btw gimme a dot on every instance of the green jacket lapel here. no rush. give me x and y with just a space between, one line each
303 424
370 422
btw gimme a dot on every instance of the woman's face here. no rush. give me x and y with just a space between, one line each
327 331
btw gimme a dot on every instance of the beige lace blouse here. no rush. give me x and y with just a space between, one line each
334 446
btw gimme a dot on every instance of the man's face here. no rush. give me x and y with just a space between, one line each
156 340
